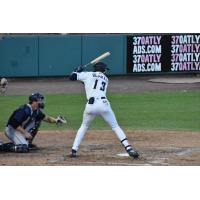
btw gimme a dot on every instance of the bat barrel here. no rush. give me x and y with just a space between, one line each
101 57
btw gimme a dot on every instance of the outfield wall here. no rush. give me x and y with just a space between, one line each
58 55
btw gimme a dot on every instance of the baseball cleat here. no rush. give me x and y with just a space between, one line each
73 153
1 146
133 153
33 147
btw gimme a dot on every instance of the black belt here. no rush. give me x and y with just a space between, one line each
92 99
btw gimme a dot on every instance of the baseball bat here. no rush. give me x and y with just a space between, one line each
99 58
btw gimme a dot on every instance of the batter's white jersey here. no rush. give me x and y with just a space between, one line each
96 86
95 83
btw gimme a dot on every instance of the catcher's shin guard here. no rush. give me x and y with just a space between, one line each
11 147
33 131
7 147
21 148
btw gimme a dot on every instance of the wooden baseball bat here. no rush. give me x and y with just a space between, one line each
99 58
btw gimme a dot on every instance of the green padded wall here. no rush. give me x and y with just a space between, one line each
94 45
19 56
58 55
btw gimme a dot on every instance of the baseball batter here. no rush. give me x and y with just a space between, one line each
24 124
96 86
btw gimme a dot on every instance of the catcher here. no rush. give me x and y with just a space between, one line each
3 85
24 124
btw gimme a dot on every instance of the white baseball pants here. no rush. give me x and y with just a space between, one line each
100 107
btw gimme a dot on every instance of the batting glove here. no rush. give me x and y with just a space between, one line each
79 69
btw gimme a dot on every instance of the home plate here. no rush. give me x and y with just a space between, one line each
122 155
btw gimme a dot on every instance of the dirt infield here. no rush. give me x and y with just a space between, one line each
103 148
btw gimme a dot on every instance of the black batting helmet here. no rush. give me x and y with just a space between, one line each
100 66
37 97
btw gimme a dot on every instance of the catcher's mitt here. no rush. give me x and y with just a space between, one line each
61 120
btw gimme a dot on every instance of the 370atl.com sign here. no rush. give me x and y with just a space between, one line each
163 53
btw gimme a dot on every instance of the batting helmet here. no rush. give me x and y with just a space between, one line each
100 66
39 98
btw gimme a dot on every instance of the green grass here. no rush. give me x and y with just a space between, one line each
149 110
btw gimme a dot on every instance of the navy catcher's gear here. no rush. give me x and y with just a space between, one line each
24 116
11 147
20 116
33 131
21 148
37 97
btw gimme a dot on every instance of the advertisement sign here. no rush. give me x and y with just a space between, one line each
159 53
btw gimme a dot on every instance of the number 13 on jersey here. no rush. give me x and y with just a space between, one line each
103 85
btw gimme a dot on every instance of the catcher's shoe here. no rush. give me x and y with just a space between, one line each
73 153
33 147
133 153
1 146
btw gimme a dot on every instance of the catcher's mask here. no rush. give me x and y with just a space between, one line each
39 98
100 67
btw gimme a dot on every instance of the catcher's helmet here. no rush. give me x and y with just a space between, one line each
37 97
100 66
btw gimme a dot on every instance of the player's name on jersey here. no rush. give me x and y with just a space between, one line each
100 76
194 57
186 66
185 39
146 40
184 48
151 58
147 49
149 67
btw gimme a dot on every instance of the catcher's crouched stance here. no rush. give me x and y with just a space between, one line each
24 123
